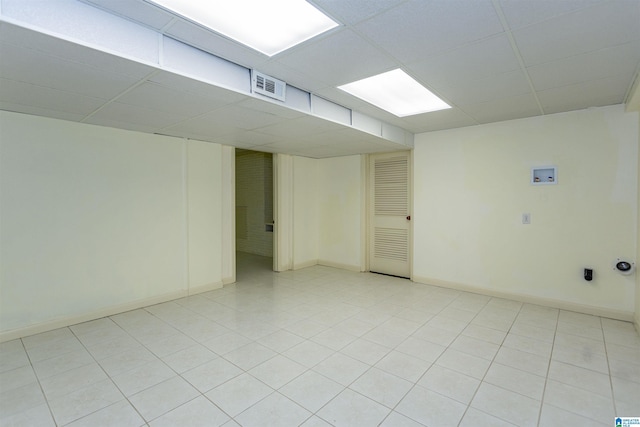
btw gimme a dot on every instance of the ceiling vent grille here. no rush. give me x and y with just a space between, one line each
268 86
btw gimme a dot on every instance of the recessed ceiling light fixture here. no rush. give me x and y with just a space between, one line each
396 92
268 26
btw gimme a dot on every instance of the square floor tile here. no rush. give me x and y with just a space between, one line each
21 399
238 394
162 398
189 358
552 416
493 336
84 401
211 374
351 409
579 401
198 412
36 416
226 343
275 410
17 378
507 405
280 341
277 371
450 383
308 353
475 418
311 390
250 355
340 368
365 351
404 366
421 349
395 419
529 345
430 408
467 364
522 360
72 380
475 347
121 414
382 387
334 339
516 380
131 382
586 379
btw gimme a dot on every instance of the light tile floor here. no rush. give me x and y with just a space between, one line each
320 347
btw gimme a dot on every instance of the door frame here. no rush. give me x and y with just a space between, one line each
368 209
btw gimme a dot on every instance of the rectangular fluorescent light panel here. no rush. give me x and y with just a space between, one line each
268 26
396 92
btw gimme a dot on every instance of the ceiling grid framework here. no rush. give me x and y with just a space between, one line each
491 60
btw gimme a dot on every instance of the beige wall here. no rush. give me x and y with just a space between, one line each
340 210
637 304
472 186
305 212
96 220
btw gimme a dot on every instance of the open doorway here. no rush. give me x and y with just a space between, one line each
254 212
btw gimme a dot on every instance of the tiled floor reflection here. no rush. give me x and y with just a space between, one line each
322 347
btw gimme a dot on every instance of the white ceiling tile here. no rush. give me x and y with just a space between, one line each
473 61
90 25
438 120
505 85
521 13
42 43
124 113
418 28
300 128
593 93
504 109
137 10
339 58
193 86
270 108
29 66
354 11
621 60
161 98
586 30
46 99
37 111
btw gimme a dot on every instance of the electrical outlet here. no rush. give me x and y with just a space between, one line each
526 218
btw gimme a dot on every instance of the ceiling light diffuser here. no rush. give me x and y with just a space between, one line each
396 92
268 26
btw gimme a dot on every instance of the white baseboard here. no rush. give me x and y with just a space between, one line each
229 280
348 267
205 288
305 264
531 299
86 317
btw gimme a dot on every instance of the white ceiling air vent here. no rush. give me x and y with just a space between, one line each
268 86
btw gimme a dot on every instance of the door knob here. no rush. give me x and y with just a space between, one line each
409 218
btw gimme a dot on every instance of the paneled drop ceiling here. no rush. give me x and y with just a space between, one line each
492 60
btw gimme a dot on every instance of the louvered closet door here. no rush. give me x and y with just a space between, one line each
389 232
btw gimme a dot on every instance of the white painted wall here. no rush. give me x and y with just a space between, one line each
94 220
340 215
205 214
473 184
305 212
637 303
